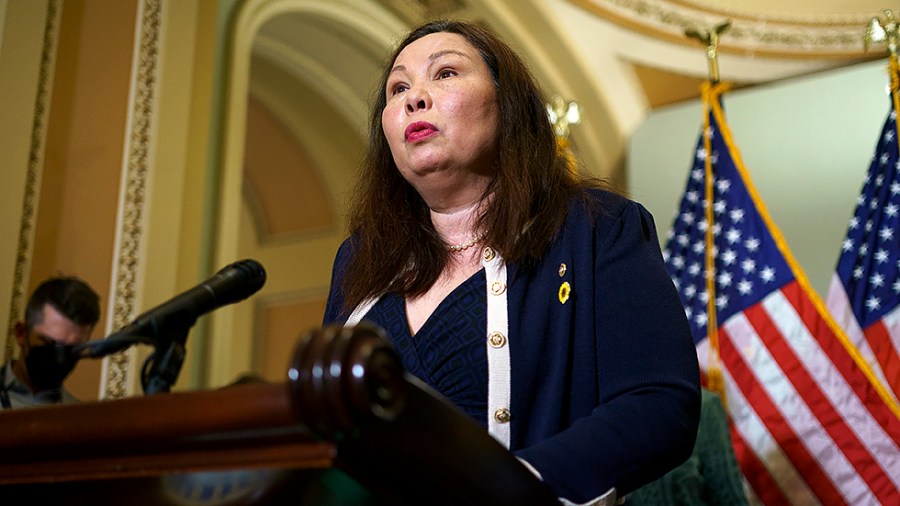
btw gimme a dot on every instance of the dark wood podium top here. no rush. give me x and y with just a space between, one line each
349 423
142 436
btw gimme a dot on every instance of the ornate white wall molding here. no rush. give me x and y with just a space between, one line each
118 369
778 34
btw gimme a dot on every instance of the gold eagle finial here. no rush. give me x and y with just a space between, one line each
711 39
882 30
562 114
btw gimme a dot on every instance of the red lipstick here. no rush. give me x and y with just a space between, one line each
418 131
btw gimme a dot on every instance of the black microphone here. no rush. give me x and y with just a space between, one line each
231 284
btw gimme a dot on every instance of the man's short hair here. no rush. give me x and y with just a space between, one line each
72 297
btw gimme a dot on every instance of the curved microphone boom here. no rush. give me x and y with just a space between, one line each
231 284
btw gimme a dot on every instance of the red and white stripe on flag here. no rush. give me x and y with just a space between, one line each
802 427
879 343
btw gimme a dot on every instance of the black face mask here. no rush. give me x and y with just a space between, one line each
48 366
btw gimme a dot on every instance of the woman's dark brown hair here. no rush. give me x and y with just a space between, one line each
396 248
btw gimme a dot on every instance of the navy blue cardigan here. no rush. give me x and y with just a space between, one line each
605 386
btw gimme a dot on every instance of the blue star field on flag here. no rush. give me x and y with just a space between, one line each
748 265
870 254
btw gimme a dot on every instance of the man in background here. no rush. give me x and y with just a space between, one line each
61 313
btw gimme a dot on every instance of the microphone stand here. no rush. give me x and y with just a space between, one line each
161 368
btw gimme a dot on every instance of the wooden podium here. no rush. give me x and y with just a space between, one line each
348 427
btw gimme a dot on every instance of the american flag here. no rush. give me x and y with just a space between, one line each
864 295
808 426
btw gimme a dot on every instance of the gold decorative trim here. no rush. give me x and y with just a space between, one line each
715 7
827 36
34 171
130 234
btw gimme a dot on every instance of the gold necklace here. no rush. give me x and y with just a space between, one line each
454 248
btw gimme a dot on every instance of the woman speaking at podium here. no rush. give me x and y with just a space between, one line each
533 299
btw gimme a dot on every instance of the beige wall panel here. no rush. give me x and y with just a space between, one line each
282 324
21 44
177 188
75 227
290 196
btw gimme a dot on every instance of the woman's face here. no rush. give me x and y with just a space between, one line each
441 115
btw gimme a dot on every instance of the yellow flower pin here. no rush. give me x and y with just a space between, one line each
564 290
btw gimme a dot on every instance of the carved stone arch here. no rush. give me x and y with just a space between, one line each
307 67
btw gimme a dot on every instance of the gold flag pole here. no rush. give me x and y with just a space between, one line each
711 91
